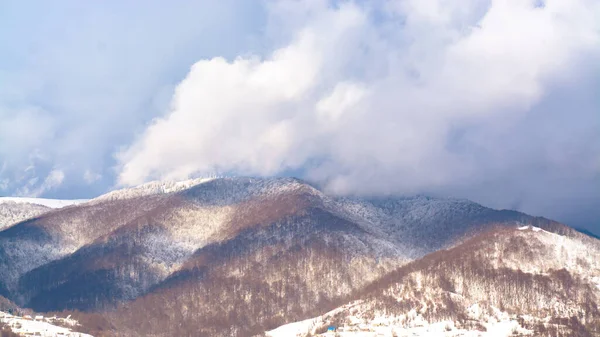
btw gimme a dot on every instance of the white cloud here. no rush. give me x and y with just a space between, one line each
243 115
372 104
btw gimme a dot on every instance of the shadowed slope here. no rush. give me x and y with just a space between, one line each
57 234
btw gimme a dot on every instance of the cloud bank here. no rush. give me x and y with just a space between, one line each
79 80
492 100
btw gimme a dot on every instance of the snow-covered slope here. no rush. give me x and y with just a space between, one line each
38 325
16 209
498 324
433 222
524 281
12 213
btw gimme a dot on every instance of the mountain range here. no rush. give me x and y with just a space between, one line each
278 257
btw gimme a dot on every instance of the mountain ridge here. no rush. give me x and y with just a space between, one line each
284 247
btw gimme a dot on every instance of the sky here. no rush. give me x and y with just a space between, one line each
496 101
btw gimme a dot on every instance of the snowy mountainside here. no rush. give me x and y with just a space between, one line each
11 213
499 324
524 281
53 235
435 223
250 254
38 325
289 267
16 209
420 225
154 249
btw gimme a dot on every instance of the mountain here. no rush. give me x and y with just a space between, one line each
505 282
229 256
13 210
169 238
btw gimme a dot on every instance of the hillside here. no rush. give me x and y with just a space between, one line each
506 282
14 210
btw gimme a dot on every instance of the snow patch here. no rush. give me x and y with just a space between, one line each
390 326
596 280
302 328
40 326
532 228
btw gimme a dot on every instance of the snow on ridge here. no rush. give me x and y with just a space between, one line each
533 229
150 188
50 203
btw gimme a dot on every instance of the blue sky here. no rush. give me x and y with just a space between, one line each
496 101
